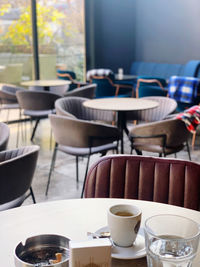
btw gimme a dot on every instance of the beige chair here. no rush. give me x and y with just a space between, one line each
12 74
170 181
162 137
79 137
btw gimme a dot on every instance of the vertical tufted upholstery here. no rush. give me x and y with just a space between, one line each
170 181
73 107
166 107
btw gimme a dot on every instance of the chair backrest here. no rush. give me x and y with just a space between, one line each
166 107
4 135
174 129
150 86
8 93
36 100
16 172
73 107
87 91
104 78
67 75
164 180
59 90
74 132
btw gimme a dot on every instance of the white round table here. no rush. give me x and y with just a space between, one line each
121 105
73 219
46 84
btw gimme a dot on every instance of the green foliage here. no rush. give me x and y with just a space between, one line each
48 20
4 9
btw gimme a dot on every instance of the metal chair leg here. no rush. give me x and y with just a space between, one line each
138 152
77 174
8 113
188 150
51 168
35 127
86 171
33 197
18 126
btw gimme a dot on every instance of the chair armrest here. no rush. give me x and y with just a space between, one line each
148 81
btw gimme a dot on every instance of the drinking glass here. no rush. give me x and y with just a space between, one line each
171 241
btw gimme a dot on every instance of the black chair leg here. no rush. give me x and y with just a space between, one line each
138 152
86 171
77 174
32 195
34 129
188 150
51 168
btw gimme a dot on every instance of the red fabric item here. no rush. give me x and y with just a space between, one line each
191 118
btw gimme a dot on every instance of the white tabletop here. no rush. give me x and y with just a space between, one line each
120 104
72 218
43 83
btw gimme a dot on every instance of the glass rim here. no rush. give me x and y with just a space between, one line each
148 230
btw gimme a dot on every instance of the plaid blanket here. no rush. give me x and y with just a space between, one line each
98 72
183 89
191 118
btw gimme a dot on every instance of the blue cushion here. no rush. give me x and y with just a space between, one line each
165 70
151 91
191 69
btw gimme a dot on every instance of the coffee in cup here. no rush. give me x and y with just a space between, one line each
124 223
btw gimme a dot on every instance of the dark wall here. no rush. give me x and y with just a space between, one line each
121 31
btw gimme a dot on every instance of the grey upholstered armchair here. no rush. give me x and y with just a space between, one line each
79 137
162 137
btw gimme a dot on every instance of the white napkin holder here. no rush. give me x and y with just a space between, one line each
94 252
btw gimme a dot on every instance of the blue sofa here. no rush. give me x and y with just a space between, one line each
164 70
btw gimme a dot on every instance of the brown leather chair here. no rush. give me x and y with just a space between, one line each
36 104
170 181
17 168
162 137
79 138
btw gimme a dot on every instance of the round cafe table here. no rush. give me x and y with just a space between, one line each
46 84
73 218
121 105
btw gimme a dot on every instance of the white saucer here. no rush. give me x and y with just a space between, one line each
135 252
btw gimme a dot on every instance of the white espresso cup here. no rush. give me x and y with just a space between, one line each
124 223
